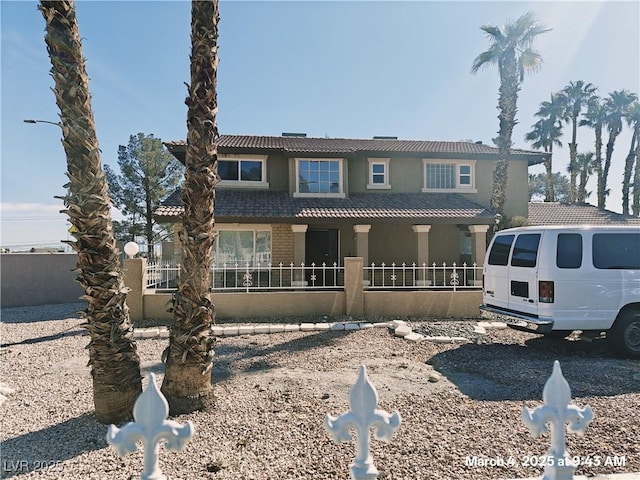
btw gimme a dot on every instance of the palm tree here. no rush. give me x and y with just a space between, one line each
575 96
115 365
544 134
617 106
189 357
633 119
595 117
511 49
584 169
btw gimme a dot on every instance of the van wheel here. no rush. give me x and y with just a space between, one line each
624 336
558 334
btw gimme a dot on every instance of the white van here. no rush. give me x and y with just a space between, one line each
556 279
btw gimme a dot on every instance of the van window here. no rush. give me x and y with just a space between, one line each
569 251
499 254
525 251
616 251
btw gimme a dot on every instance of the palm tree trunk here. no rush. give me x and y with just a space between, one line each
628 170
550 196
507 105
599 168
607 165
636 182
115 365
189 357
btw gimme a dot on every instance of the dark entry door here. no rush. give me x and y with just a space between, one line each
321 247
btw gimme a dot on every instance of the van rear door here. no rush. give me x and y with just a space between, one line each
496 272
523 274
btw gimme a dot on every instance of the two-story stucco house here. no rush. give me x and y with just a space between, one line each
294 199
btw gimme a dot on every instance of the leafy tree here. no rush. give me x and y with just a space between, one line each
511 49
545 133
538 186
633 118
595 118
115 364
574 97
617 106
189 357
148 173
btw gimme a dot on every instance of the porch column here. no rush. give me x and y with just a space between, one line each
298 253
362 247
478 243
422 232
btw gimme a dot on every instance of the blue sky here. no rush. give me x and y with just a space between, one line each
337 69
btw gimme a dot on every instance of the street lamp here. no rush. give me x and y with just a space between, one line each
30 120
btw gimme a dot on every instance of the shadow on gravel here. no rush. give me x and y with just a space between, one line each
43 450
46 338
227 357
495 372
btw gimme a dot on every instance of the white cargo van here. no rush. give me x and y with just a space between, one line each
556 279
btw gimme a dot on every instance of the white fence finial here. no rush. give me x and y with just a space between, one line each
557 412
363 400
150 426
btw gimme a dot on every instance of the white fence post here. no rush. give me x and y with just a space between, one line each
150 426
363 400
557 412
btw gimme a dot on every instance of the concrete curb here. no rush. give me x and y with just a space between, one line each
399 327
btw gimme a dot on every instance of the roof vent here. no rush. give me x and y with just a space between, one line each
479 142
291 134
384 138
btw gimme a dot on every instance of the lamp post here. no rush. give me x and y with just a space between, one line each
31 120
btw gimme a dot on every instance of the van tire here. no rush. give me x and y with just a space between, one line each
624 336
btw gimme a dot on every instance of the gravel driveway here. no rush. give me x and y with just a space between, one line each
273 392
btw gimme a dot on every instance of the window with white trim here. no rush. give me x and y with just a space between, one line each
449 176
242 246
243 171
319 177
378 173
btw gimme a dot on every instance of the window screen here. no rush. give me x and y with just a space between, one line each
569 250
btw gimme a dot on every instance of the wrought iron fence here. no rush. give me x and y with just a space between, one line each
254 277
422 276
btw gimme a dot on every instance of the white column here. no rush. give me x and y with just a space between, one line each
299 252
422 232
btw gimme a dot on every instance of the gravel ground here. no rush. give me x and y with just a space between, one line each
273 392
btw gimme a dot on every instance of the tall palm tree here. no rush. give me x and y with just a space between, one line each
189 357
584 165
595 118
511 49
617 106
115 365
633 119
545 133
575 96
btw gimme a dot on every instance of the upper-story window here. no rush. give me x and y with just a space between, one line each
449 176
378 173
243 170
319 177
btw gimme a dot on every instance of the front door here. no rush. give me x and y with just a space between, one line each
321 248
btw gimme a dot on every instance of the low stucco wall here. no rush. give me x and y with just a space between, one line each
445 304
256 304
460 304
30 279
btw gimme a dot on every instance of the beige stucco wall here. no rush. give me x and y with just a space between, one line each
38 279
438 304
257 304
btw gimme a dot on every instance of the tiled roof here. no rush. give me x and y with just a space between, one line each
271 204
554 213
345 146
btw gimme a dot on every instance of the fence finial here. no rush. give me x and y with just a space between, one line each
557 412
363 400
150 426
